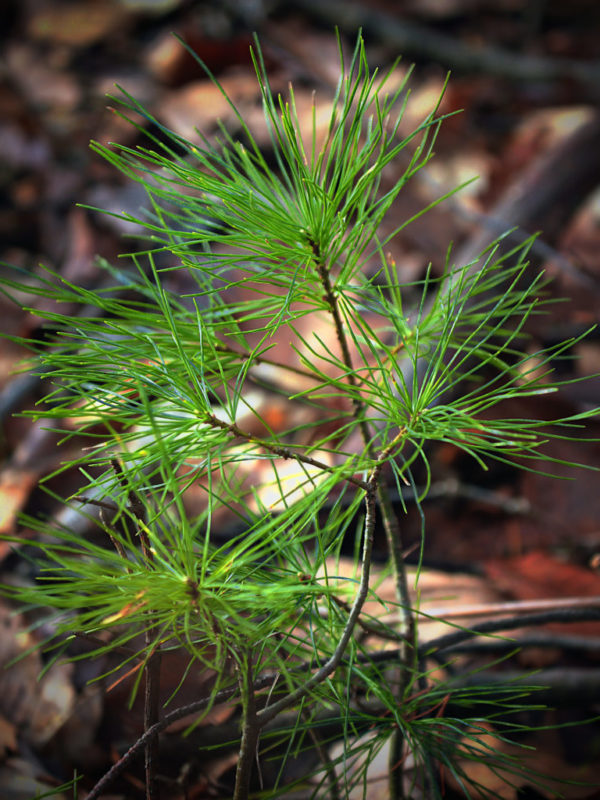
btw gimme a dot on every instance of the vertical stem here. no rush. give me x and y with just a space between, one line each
396 548
270 712
394 541
334 310
151 715
250 730
390 521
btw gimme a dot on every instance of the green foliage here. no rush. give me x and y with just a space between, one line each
161 387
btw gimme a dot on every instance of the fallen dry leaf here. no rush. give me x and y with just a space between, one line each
76 24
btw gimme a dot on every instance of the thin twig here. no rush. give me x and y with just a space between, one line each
515 606
267 680
584 644
390 520
173 716
334 310
250 729
372 627
334 661
262 360
151 713
92 502
561 687
279 450
575 614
